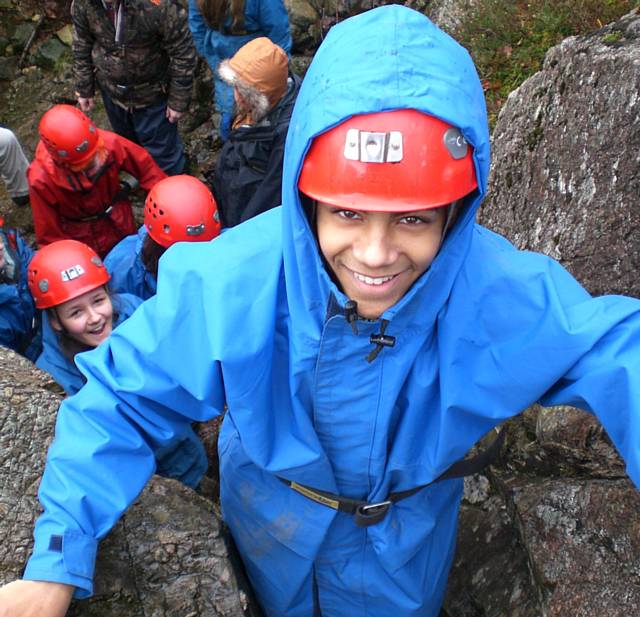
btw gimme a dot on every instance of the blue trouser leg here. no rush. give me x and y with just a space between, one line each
149 127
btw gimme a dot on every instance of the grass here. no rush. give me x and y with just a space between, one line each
508 40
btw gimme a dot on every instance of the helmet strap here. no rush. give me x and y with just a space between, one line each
452 215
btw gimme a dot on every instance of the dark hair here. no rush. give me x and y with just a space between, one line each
215 13
150 255
70 346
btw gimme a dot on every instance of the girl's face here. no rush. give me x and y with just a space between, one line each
377 256
88 318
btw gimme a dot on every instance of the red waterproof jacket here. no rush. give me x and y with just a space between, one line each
60 198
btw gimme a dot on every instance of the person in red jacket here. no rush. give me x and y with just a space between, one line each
74 186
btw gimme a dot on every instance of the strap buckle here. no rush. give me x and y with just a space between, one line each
371 513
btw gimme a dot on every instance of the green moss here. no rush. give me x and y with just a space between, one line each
613 37
508 40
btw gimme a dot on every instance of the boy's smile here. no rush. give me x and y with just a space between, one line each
377 256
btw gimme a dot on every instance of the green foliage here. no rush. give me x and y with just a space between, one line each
508 40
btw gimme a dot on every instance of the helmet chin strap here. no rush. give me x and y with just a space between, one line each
452 215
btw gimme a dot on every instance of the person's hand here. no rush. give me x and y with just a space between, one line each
86 104
35 599
173 115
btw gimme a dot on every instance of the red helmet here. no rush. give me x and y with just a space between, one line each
392 161
64 270
70 137
181 209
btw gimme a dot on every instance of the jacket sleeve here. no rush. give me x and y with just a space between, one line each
11 321
274 20
605 380
145 385
25 252
197 26
45 218
82 45
178 44
137 161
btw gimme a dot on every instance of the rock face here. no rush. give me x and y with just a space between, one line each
166 557
557 531
565 176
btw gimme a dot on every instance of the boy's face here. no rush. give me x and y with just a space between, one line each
377 256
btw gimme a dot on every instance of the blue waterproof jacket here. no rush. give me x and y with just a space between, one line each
19 320
184 458
483 334
128 274
261 18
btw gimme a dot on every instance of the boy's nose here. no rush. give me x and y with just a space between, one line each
376 249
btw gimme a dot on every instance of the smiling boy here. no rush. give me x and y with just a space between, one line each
364 336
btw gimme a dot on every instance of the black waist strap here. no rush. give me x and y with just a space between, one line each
366 513
121 195
94 217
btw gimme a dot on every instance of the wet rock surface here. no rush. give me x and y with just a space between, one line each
564 182
565 169
166 556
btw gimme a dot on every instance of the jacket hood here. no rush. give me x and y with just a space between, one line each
388 58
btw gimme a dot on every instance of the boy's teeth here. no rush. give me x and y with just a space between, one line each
371 280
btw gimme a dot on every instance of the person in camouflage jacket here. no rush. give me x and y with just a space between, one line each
140 55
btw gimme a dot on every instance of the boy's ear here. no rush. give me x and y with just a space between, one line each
54 322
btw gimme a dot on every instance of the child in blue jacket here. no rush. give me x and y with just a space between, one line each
220 28
177 209
363 336
20 327
70 283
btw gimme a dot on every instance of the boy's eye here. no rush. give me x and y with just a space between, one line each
412 220
348 214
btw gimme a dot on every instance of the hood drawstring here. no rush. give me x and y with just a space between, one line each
351 314
380 340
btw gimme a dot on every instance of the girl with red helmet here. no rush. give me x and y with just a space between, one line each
177 209
70 283
74 183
